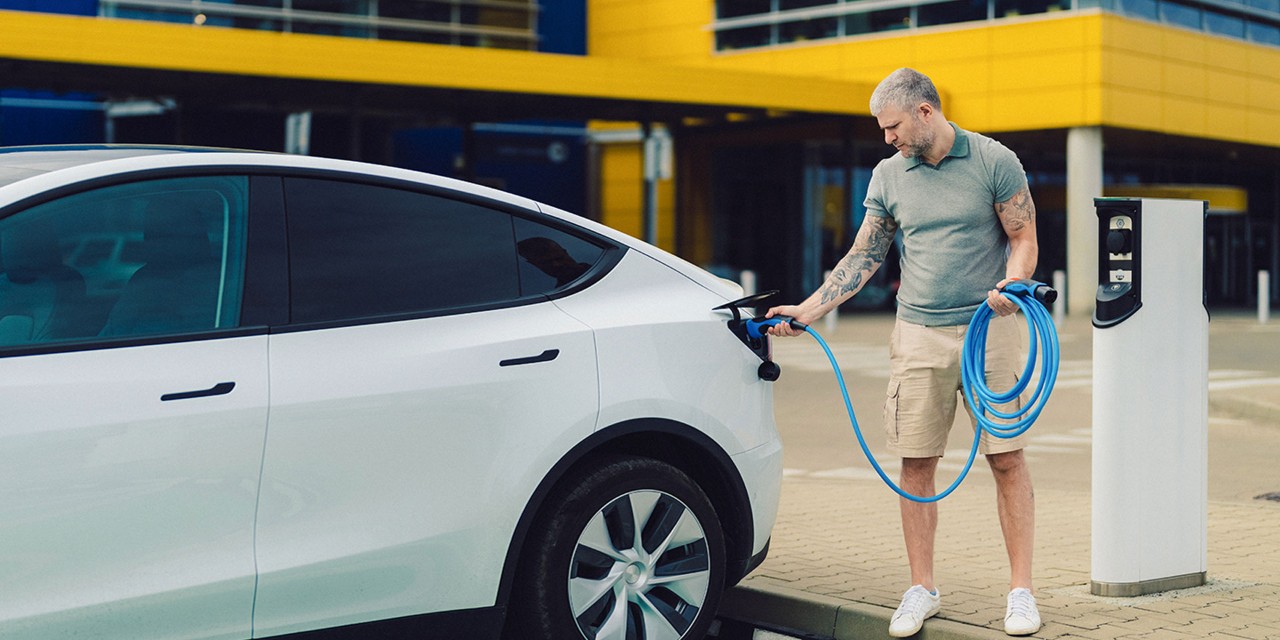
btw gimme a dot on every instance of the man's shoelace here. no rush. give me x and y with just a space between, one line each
916 601
1022 605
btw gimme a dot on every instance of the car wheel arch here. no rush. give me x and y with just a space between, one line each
694 453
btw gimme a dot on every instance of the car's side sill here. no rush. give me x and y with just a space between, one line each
471 624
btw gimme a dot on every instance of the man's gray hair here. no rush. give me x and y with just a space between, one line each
905 89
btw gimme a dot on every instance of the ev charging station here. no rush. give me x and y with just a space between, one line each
1150 398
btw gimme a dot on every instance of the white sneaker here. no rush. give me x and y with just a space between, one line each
1021 618
918 605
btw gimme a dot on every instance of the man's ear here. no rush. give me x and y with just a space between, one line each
924 111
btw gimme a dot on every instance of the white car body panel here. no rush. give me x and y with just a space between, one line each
373 430
384 473
761 470
665 354
140 525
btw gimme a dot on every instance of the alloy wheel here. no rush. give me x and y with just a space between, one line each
641 569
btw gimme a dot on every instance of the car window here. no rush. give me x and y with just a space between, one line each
146 258
360 251
92 252
551 259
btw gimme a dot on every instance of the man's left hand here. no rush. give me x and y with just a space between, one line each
1000 304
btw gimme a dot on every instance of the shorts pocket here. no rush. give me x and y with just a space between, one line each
891 411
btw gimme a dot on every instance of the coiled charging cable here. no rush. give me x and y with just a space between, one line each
1030 296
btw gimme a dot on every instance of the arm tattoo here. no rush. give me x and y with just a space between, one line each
869 250
1017 212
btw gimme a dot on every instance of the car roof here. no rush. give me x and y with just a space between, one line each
18 163
25 171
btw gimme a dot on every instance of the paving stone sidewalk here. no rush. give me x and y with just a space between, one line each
837 565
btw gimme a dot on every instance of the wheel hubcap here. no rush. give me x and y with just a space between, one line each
635 574
640 571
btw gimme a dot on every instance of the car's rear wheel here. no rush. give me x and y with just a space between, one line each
630 549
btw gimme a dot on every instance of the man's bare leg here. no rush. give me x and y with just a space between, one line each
1016 503
919 520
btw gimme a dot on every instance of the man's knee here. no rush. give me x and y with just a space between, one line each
1008 462
919 469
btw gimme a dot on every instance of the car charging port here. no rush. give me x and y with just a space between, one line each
769 371
759 343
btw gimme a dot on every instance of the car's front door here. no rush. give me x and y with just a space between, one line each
132 415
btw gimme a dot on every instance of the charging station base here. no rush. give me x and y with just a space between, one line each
1146 587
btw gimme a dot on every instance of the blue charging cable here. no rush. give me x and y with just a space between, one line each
1030 297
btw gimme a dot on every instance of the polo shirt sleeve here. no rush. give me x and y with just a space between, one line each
1008 177
875 200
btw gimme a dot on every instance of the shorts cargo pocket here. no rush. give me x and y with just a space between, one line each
891 411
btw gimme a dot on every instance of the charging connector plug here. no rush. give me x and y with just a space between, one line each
756 327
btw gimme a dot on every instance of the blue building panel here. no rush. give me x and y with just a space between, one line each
562 27
37 117
73 7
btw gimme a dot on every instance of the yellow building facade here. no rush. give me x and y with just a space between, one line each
1055 86
755 110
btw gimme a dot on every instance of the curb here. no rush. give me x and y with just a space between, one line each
816 616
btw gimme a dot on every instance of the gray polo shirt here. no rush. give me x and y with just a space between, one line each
954 248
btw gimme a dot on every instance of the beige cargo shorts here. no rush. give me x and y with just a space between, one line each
924 385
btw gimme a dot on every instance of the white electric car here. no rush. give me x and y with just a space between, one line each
323 395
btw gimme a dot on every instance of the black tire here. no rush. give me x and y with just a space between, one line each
597 547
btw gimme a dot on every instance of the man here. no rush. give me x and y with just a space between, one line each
962 204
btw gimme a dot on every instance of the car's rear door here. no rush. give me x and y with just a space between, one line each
419 393
134 408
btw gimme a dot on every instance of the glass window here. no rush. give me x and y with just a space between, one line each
260 22
408 35
349 7
93 252
739 8
426 11
787 5
1180 14
358 251
1224 24
809 30
1006 8
951 12
156 15
505 18
875 21
551 259
1265 33
146 258
1148 9
1266 5
744 38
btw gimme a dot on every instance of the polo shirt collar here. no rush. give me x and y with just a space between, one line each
959 149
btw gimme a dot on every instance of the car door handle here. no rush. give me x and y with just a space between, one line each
545 356
220 389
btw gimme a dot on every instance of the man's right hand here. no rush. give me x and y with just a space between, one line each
783 329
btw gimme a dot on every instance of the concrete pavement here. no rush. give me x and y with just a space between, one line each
837 567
